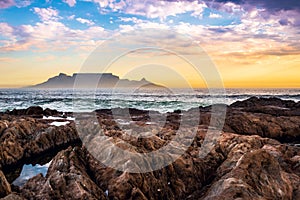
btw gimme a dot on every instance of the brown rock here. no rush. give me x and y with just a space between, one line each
5 188
12 197
67 178
28 140
246 165
257 175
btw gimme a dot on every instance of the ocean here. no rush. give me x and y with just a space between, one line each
69 100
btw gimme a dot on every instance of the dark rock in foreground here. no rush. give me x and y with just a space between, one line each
24 140
272 118
5 188
249 160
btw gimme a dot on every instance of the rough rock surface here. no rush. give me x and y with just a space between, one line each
272 118
34 111
246 167
24 139
5 188
249 160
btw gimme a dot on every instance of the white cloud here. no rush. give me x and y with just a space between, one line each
71 3
46 14
214 16
50 35
163 9
85 21
153 9
71 17
6 30
130 19
125 28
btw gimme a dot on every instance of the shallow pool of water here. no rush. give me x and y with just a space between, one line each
29 171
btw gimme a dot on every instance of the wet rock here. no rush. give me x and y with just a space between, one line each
246 167
50 112
255 102
25 140
34 110
247 161
67 178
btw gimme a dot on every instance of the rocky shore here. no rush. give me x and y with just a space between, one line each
256 156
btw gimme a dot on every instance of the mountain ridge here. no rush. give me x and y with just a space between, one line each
94 80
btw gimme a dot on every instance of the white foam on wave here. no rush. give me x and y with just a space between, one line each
55 123
58 118
52 118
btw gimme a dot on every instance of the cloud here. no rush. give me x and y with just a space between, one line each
214 16
152 9
71 3
6 3
274 5
85 21
269 5
23 3
46 14
50 35
71 17
130 19
6 30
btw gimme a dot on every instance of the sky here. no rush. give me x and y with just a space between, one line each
250 43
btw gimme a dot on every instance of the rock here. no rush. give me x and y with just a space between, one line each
50 112
28 140
246 167
255 101
282 128
249 160
257 175
34 110
67 178
5 188
13 197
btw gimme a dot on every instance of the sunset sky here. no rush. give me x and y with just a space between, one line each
253 43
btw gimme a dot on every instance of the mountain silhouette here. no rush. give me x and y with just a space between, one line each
94 80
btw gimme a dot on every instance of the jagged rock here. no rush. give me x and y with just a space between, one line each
12 197
256 175
255 102
25 140
68 178
5 188
282 128
247 167
245 162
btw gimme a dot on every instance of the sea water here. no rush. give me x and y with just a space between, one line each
69 100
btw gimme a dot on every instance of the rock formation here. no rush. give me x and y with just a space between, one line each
255 157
